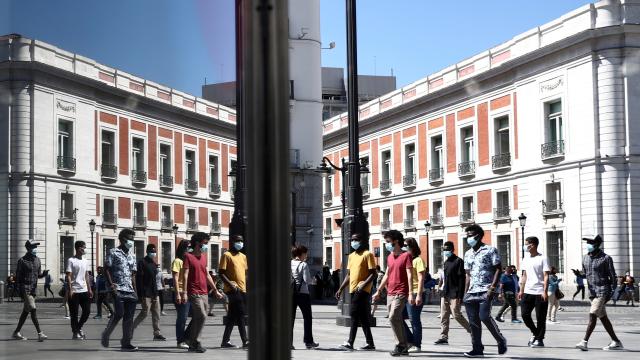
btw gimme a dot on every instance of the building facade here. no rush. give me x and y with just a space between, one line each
83 141
541 125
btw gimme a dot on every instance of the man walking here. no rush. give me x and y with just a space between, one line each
102 294
233 271
47 285
80 293
27 274
533 291
509 288
120 266
397 279
452 292
483 268
601 280
360 275
147 270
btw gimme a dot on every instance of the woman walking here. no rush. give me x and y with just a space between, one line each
417 289
552 292
180 302
300 278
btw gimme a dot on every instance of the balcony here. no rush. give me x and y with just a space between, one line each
552 208
551 150
328 199
467 217
139 222
215 229
192 226
436 175
385 186
501 162
67 217
191 186
66 164
436 221
109 172
327 233
385 225
139 177
215 190
409 181
166 182
365 189
166 224
410 224
109 220
467 168
502 214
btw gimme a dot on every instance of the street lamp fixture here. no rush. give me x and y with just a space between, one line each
92 228
427 227
523 223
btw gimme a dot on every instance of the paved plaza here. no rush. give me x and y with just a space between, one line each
560 340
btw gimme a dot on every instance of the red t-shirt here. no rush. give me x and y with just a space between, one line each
197 281
398 282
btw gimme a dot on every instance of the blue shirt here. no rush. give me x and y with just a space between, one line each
553 283
482 265
580 280
509 283
121 265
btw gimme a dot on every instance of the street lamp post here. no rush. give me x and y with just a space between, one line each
92 228
175 234
523 223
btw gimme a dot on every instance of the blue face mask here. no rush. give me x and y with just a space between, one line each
389 247
591 247
34 251
152 254
404 249
238 246
189 250
355 244
447 253
204 247
472 241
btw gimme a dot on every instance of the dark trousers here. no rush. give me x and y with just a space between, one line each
360 312
125 306
236 315
509 301
103 299
479 312
303 301
48 288
527 304
161 299
83 301
416 323
182 310
580 289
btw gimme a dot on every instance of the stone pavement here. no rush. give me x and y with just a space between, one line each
560 340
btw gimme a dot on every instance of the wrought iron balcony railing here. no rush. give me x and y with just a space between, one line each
139 222
436 221
385 225
192 226
215 229
215 189
166 181
385 185
501 213
467 217
109 219
328 199
436 175
108 171
552 149
67 216
552 207
467 168
327 232
409 181
138 177
67 163
502 161
409 223
191 185
166 224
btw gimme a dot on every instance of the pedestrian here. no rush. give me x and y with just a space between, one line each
453 281
196 279
418 290
120 270
180 300
579 283
483 269
160 287
629 287
11 286
64 290
509 288
533 291
397 280
554 300
233 271
359 277
383 294
80 292
147 286
47 285
28 272
301 299
601 278
102 294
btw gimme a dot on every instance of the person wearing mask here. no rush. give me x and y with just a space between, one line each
601 278
300 279
180 299
579 283
120 270
102 294
47 285
629 286
533 291
28 272
418 291
453 282
359 277
397 280
233 270
554 302
80 293
147 271
483 269
509 288
160 285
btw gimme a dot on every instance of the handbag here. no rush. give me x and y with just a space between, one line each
559 294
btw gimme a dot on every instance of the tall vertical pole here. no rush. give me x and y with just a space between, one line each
92 256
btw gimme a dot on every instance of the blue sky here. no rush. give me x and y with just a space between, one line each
180 43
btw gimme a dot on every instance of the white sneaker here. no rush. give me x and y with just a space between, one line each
42 336
18 336
415 349
582 345
183 345
614 345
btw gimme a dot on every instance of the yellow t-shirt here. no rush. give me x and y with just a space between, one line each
359 266
176 266
235 266
418 267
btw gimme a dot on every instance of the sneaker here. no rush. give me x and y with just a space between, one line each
368 347
614 345
346 346
531 340
474 354
128 348
82 335
67 317
42 337
76 336
502 348
399 351
198 348
441 342
98 317
415 349
537 344
311 345
104 340
499 319
551 321
245 345
210 314
227 345
163 313
18 336
159 337
182 345
516 321
582 345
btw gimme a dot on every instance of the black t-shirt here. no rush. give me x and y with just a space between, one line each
454 277
146 277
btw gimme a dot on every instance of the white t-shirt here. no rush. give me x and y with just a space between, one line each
535 268
78 269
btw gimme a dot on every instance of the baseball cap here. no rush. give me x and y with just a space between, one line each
31 243
592 237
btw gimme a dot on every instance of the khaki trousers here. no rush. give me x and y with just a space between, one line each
395 305
447 307
199 310
149 304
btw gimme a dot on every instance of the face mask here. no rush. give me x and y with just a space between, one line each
389 247
447 253
129 244
471 241
189 250
404 248
355 244
590 247
33 251
152 255
238 246
204 247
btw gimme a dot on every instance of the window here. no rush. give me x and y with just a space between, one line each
233 178
502 135
554 121
364 177
409 219
137 154
190 164
138 248
328 256
386 164
467 144
108 148
215 223
502 209
504 249
553 201
67 208
437 157
328 181
409 158
386 219
66 251
167 221
166 256
65 139
139 219
436 255
327 227
215 256
555 250
467 215
213 169
165 160
109 216
192 224
436 210
107 245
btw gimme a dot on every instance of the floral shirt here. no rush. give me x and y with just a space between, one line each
121 265
482 265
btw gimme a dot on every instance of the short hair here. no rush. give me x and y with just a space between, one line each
79 244
151 247
182 249
395 235
476 229
298 250
413 246
449 244
198 238
236 238
532 240
124 233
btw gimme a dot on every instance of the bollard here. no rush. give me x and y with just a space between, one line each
1 292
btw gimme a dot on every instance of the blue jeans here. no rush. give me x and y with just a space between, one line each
125 307
479 311
416 323
182 311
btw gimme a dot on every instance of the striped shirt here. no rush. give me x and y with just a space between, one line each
601 275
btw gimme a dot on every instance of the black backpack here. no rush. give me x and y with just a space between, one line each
296 280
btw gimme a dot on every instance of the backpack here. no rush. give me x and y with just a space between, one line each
296 280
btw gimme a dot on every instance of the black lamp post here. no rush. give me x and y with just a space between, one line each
175 233
523 223
92 228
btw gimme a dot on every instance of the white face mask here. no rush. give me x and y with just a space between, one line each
129 244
